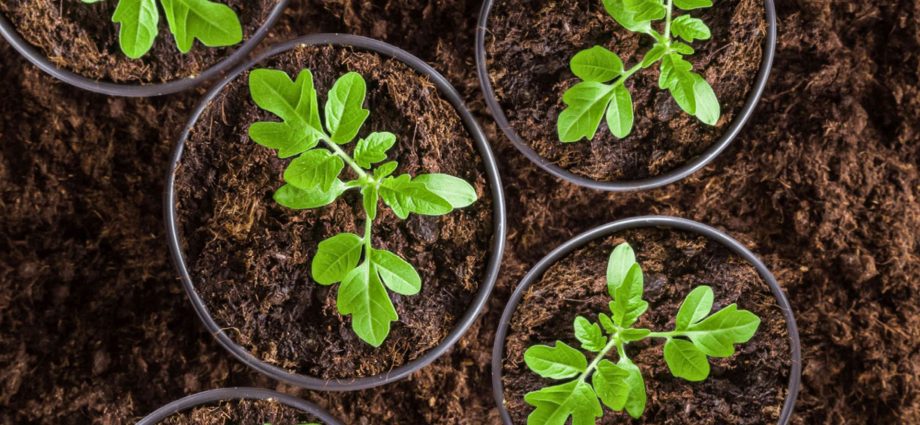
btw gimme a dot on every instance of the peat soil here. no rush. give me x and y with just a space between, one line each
823 184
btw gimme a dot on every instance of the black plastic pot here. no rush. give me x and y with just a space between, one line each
498 238
136 90
631 185
498 349
228 394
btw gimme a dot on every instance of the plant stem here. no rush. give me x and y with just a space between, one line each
667 22
345 157
614 341
671 334
368 224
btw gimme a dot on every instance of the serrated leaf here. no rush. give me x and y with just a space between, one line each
138 20
607 323
619 263
454 190
385 169
344 108
287 140
620 112
396 273
336 257
315 168
405 196
294 102
373 148
690 28
611 384
692 4
624 17
671 66
716 335
685 360
299 199
707 105
590 335
214 24
627 304
696 307
596 64
554 405
645 10
559 362
586 102
363 296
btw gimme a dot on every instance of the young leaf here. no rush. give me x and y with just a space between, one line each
685 360
385 169
586 102
645 10
620 262
611 384
369 199
396 273
635 402
607 323
707 105
363 296
559 362
596 64
690 28
405 196
373 149
294 102
283 137
716 335
617 10
678 79
214 24
620 112
300 199
590 335
454 190
628 305
629 335
682 48
138 20
315 168
336 257
695 307
344 112
654 55
554 405
692 4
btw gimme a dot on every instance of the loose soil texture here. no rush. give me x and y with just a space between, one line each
83 39
529 46
249 257
746 388
823 185
241 412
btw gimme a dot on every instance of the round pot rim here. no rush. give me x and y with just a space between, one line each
236 393
37 58
676 223
498 218
674 175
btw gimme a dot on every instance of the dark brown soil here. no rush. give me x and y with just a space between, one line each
747 388
83 39
529 47
250 257
241 412
823 184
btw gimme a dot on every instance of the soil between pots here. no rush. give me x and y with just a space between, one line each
747 388
255 412
530 44
83 39
249 257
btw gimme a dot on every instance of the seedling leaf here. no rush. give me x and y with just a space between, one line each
717 334
315 168
590 335
396 273
138 21
685 360
695 307
336 257
692 4
559 362
363 296
300 199
214 24
344 113
690 28
405 196
456 191
554 405
373 148
596 64
586 102
612 385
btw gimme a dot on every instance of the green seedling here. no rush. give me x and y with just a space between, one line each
602 91
214 24
314 179
697 335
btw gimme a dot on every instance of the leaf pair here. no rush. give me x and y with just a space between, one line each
214 24
620 386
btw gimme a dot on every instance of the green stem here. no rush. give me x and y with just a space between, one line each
667 22
671 334
368 224
345 157
615 341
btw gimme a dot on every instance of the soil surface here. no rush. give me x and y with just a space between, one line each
250 257
83 39
823 184
255 412
746 388
529 47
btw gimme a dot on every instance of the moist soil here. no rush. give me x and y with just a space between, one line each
82 38
822 184
249 257
529 47
746 388
255 412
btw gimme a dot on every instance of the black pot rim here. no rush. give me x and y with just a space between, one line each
492 176
9 32
669 177
498 349
236 393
